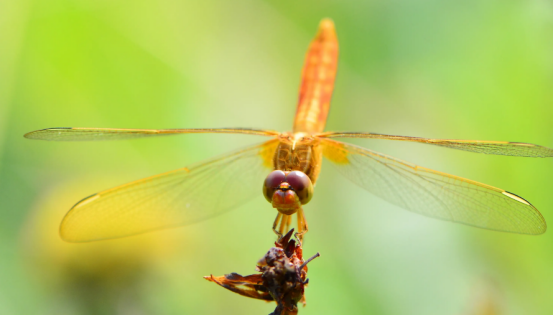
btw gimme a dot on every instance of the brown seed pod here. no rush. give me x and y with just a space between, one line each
282 277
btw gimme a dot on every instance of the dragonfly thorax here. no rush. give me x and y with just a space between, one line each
298 152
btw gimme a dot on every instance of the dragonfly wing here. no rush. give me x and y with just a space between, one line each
97 134
175 198
432 193
478 146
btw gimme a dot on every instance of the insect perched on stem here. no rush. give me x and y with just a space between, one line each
288 166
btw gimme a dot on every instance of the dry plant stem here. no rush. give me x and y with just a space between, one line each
309 260
282 277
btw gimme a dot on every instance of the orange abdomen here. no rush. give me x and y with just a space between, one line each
317 83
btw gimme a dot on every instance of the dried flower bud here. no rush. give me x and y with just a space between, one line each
283 277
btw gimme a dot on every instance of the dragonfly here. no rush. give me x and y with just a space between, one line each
286 167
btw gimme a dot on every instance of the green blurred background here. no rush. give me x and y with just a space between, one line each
432 68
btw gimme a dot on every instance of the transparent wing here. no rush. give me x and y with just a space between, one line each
175 198
478 146
432 193
96 134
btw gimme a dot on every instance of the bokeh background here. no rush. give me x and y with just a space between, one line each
432 68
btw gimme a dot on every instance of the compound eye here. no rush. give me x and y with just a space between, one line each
301 185
273 180
298 180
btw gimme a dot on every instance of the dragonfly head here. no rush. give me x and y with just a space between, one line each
287 191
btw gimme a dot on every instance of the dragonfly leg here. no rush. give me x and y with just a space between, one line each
302 225
288 223
275 224
283 223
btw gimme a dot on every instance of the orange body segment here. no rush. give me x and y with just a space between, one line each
317 83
